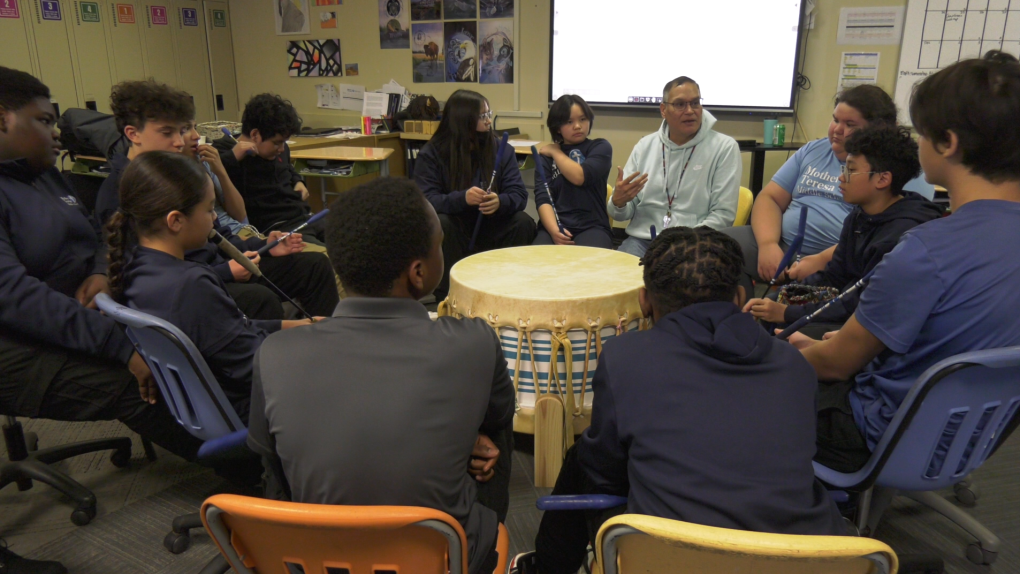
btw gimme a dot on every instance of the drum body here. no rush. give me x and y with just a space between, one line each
553 307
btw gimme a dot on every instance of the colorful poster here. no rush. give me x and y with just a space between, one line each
497 8
126 13
461 51
9 9
89 11
314 58
427 63
426 10
460 9
327 20
50 10
394 25
350 69
496 52
158 15
219 18
291 17
190 16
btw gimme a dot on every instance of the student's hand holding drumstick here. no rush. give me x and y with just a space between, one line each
242 149
482 465
766 310
627 189
475 196
490 204
240 273
287 246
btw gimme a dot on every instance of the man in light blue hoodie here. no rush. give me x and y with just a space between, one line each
683 175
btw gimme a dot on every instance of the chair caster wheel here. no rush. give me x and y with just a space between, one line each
176 543
979 555
32 441
966 493
120 459
83 515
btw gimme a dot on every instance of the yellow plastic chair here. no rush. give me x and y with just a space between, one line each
258 535
744 205
632 543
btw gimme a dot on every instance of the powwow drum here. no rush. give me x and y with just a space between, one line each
552 307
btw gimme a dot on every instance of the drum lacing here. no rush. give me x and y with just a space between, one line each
558 340
594 330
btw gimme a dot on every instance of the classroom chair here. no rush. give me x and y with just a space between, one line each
954 417
190 390
744 205
636 543
257 535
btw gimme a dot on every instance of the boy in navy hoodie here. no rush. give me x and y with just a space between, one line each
59 357
880 161
704 418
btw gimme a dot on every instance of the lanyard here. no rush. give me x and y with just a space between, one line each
665 179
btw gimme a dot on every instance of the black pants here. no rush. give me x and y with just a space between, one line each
307 277
495 494
493 234
563 535
43 381
256 301
841 445
594 237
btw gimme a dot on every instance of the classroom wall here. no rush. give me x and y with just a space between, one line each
261 62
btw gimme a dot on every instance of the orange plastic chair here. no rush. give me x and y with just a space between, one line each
261 535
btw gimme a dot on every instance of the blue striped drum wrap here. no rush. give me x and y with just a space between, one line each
553 307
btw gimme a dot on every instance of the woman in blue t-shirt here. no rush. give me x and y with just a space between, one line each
810 179
578 169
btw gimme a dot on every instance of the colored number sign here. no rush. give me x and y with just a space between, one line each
219 18
190 16
89 11
50 10
9 9
126 13
158 15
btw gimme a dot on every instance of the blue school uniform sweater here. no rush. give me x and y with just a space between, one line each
580 207
432 174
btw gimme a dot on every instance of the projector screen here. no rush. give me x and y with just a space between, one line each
743 53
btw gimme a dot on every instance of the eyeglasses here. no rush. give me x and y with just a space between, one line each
680 105
487 116
847 173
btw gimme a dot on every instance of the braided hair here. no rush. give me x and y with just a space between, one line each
154 184
684 266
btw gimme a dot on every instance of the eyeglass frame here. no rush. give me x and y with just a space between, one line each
486 116
694 105
844 170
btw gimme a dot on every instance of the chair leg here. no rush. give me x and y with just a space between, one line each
179 538
987 540
878 501
218 565
150 452
25 471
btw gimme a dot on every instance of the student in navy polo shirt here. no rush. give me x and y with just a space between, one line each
167 208
60 358
578 169
949 286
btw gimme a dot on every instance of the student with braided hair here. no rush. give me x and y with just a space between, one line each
683 410
167 207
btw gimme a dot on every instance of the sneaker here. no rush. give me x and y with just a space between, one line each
524 563
11 563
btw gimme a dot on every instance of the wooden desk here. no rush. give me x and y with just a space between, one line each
388 141
415 137
86 164
367 160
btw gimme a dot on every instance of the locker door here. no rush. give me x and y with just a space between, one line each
221 58
90 51
160 57
193 56
53 49
125 37
15 44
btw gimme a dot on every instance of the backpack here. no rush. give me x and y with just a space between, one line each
87 132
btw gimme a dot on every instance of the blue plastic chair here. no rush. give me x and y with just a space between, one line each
192 395
951 421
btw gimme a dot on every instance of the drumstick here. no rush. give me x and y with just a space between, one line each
651 230
795 246
540 175
265 248
227 133
235 254
799 323
495 170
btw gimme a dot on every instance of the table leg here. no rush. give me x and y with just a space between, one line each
384 169
322 190
757 170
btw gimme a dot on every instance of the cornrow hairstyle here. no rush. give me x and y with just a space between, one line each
375 231
684 266
154 184
888 149
18 88
139 102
